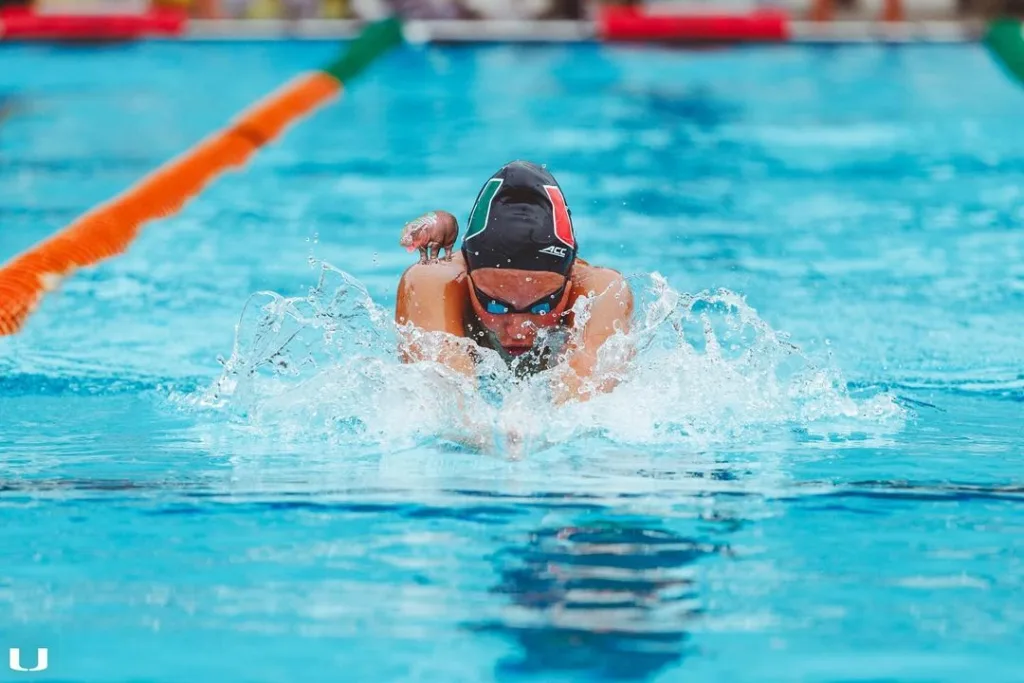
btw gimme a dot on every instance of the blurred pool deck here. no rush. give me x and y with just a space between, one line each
859 30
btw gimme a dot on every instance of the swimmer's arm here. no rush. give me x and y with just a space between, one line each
432 298
610 311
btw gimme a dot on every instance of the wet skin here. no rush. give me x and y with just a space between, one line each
439 297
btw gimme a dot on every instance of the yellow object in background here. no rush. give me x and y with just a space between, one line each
263 9
335 9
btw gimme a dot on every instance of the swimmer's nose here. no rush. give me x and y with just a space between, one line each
518 329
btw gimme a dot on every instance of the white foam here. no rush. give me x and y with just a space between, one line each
703 369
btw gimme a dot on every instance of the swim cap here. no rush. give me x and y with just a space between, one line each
520 220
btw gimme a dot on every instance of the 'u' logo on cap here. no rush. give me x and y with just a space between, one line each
563 224
479 218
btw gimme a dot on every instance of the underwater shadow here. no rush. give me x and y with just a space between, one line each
609 601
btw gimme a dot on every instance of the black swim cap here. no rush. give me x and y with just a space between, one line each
520 220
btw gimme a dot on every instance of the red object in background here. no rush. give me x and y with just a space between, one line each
631 23
21 23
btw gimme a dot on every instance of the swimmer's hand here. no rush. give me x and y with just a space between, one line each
478 432
488 439
512 444
576 380
599 357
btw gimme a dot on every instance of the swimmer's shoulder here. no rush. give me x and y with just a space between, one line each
589 279
612 301
434 295
438 273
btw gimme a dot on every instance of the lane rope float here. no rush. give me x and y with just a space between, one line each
109 229
1005 40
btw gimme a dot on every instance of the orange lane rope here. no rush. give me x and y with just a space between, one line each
110 228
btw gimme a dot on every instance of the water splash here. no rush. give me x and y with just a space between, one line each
697 369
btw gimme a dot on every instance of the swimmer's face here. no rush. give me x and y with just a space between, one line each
514 304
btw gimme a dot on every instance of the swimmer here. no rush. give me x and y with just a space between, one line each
518 274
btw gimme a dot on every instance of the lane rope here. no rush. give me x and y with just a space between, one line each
110 228
1005 40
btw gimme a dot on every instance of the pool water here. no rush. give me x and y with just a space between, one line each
213 468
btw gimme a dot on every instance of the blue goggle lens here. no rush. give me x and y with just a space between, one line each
540 309
494 308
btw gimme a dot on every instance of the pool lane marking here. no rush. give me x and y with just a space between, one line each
109 229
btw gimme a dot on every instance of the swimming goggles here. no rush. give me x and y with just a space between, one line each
541 306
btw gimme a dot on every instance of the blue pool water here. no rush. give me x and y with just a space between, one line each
812 475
